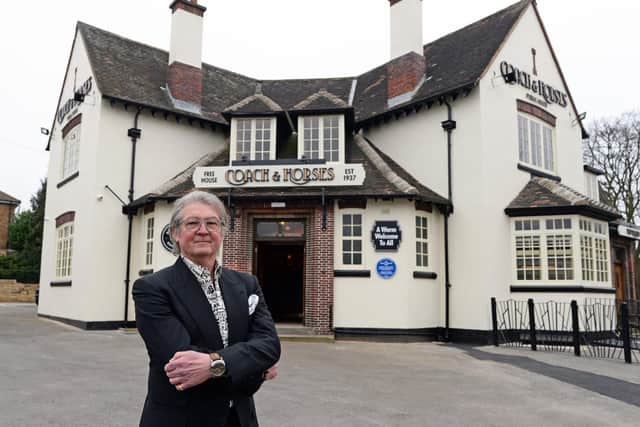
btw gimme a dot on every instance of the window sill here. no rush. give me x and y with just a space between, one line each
562 289
538 172
68 179
425 275
145 272
351 273
60 284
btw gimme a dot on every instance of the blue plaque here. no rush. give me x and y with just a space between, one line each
386 268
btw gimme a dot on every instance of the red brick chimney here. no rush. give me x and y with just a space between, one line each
406 70
184 75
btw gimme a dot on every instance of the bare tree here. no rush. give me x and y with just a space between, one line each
614 147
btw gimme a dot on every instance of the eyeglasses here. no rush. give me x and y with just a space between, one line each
211 224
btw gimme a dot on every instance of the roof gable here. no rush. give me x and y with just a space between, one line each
7 199
454 62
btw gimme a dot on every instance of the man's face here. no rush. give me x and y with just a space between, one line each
197 235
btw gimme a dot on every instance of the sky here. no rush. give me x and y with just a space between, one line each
595 42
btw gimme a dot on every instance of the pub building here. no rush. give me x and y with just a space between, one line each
391 204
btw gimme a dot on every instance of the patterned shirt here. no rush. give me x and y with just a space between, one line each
211 289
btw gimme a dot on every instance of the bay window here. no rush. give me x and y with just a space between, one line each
558 249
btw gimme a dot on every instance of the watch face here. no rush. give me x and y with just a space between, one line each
217 368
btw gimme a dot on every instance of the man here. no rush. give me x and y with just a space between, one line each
209 334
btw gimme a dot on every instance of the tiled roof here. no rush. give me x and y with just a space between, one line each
454 61
7 199
134 72
544 195
384 178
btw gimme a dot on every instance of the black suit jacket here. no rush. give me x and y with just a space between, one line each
173 314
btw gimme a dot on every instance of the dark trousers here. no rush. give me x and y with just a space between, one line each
232 419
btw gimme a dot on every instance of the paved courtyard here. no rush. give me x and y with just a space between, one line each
56 375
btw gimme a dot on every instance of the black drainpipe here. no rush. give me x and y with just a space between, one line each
134 133
448 125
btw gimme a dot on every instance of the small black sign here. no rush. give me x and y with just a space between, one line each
386 235
165 238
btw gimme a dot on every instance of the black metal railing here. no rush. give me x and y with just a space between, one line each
603 328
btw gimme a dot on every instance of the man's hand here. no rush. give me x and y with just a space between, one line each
270 373
188 369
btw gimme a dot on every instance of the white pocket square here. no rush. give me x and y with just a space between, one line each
253 303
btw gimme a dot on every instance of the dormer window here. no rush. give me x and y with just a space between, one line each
253 138
321 137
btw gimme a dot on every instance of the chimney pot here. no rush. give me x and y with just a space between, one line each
406 27
184 75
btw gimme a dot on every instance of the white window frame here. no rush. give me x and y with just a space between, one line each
321 136
341 238
582 228
64 250
71 152
253 138
542 136
592 187
420 240
545 235
148 239
594 240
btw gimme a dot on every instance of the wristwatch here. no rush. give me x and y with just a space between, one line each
217 368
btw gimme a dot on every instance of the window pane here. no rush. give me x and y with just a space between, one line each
536 148
523 139
548 148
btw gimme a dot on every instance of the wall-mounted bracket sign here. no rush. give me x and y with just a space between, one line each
511 74
386 235
386 268
627 231
73 102
264 176
165 238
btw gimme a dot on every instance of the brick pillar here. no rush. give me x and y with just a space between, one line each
237 243
319 268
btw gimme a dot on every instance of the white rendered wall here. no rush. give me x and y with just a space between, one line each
400 302
419 144
485 174
186 38
481 238
165 149
77 195
406 28
100 236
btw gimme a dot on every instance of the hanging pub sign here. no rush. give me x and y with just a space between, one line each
294 175
513 75
386 235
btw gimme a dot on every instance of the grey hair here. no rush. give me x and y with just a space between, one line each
195 197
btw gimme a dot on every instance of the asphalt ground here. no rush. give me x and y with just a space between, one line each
56 375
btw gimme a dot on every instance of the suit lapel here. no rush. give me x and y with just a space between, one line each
188 290
235 300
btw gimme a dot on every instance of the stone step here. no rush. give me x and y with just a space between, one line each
300 333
